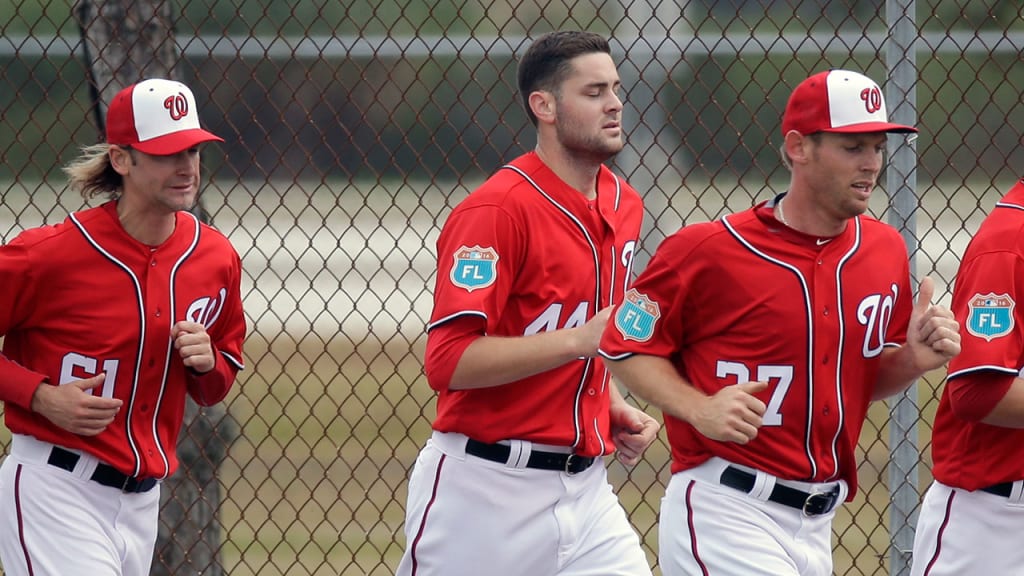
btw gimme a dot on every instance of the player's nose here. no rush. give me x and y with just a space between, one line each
615 100
872 162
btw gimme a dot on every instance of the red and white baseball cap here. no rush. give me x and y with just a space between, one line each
156 116
838 101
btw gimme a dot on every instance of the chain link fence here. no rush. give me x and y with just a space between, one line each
353 128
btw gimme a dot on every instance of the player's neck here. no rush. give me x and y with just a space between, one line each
148 226
807 217
579 173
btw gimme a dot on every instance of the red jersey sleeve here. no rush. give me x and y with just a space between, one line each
973 396
983 303
966 452
17 383
445 345
650 320
992 339
479 253
226 336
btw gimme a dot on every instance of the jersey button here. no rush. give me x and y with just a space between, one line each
591 392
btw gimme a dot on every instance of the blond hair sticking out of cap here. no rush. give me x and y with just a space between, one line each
156 116
111 319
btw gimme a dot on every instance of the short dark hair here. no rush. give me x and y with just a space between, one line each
546 62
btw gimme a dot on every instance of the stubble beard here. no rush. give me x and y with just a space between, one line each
592 147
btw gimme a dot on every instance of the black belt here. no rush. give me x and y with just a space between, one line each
812 504
105 474
568 463
1002 489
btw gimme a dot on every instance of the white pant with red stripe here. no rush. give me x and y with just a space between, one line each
467 516
59 523
961 532
709 528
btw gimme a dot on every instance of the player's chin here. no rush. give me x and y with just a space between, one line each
613 145
184 201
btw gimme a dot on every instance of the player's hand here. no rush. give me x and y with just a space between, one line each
933 334
632 430
589 335
74 408
193 344
733 414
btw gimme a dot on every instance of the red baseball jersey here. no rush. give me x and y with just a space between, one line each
526 253
83 297
967 454
747 299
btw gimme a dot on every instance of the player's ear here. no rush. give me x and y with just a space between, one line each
120 159
542 103
797 146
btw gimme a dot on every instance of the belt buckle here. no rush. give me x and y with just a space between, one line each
569 463
819 503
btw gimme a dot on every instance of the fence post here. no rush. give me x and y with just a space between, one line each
901 182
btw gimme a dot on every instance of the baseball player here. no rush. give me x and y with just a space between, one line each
512 481
973 513
109 318
765 335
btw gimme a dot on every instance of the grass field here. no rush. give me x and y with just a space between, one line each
333 407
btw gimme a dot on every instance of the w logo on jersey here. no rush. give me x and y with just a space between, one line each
873 313
206 310
990 315
636 317
475 267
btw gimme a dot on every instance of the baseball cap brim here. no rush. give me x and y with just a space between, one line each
176 142
872 127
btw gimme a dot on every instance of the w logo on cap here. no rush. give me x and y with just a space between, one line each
156 116
872 98
177 105
838 101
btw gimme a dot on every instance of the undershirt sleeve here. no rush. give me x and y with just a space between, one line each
445 345
973 396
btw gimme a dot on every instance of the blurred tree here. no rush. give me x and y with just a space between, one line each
127 41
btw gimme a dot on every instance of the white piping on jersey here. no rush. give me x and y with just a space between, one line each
1008 205
440 321
615 356
808 450
170 342
842 343
588 366
618 191
984 368
138 359
142 333
611 293
237 363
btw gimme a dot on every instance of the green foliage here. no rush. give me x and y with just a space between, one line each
977 15
44 112
36 17
370 18
313 18
445 114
